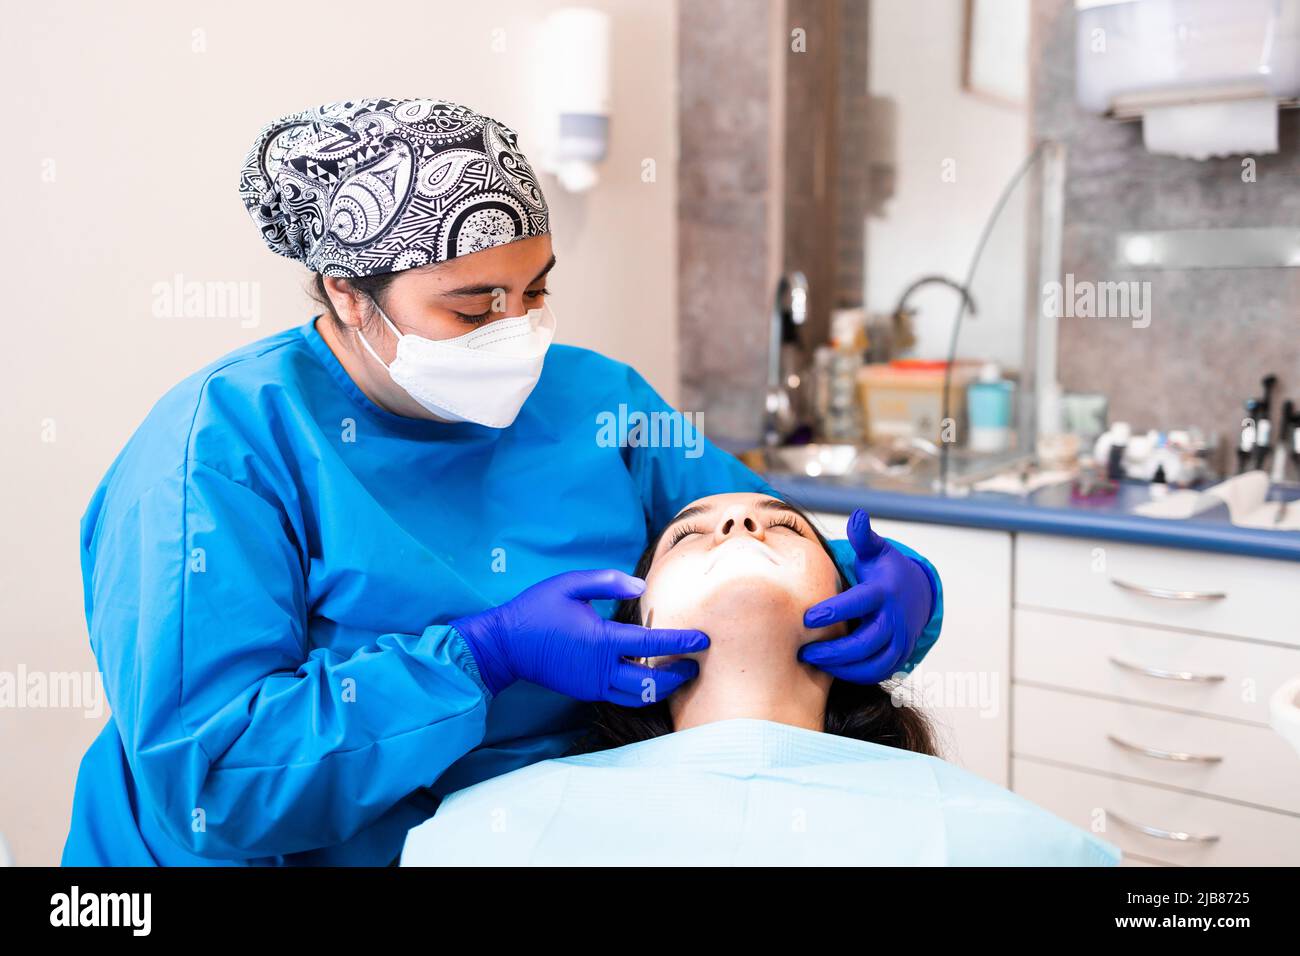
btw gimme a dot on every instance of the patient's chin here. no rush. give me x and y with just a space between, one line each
756 597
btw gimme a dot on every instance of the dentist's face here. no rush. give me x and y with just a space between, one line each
453 297
434 302
736 557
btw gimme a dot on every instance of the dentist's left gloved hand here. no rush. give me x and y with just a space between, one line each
893 601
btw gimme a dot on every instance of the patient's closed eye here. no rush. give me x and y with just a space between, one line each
785 521
779 521
681 533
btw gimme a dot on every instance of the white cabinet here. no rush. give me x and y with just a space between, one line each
1191 590
1142 677
964 684
1218 758
1158 823
1123 687
1161 667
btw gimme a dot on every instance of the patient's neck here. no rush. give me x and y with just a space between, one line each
751 670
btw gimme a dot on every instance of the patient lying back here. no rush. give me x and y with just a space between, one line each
760 759
743 568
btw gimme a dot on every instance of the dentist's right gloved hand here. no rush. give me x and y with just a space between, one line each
550 635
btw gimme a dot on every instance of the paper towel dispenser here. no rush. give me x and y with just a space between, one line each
1209 76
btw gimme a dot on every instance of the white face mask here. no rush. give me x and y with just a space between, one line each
483 376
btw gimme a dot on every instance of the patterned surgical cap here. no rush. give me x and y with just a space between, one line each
379 185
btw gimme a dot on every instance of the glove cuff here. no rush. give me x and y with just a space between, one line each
492 667
934 591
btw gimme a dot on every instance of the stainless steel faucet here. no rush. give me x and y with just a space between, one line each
785 361
903 313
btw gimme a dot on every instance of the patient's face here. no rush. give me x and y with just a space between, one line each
739 559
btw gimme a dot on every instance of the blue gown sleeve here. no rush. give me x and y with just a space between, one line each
671 476
243 742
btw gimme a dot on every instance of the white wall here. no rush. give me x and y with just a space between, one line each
122 151
932 225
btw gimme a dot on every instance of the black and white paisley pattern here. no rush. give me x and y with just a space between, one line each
371 186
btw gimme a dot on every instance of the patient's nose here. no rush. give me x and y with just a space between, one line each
736 521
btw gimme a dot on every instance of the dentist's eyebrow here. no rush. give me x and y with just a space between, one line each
472 290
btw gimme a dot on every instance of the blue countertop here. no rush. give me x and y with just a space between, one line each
1047 511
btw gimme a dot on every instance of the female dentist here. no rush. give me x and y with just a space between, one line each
334 575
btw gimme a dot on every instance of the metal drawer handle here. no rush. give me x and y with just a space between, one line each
1168 594
1164 754
1167 675
1177 836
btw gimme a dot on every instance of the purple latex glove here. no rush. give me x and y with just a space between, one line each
891 602
550 635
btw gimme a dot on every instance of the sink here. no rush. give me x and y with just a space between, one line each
812 460
905 464
1250 500
908 464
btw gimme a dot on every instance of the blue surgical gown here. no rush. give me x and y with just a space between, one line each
748 792
269 566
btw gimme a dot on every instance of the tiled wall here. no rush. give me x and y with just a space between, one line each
826 171
1213 333
728 199
771 178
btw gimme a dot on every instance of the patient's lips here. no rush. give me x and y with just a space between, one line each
741 548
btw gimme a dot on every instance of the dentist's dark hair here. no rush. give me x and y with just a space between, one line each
859 711
372 287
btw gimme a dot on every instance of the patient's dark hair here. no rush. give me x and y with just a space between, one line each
860 711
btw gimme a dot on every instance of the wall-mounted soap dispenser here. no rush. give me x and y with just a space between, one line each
574 80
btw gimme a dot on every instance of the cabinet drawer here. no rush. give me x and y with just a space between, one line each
1223 594
1246 836
1212 756
1212 675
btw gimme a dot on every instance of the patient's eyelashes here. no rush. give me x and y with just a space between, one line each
780 521
682 532
786 521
